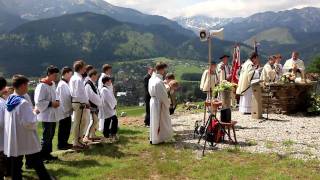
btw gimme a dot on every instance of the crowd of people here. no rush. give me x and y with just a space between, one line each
87 99
249 72
76 98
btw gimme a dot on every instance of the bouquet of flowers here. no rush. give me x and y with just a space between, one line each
287 78
224 86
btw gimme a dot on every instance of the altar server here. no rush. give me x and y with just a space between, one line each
80 104
47 104
108 109
160 122
106 71
247 74
20 135
65 99
95 102
294 65
269 72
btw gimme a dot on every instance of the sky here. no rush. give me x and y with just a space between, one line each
212 8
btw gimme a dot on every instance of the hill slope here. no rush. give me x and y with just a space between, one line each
31 47
40 9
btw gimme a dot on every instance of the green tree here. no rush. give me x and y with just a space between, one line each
314 66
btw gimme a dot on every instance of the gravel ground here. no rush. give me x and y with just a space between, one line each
295 136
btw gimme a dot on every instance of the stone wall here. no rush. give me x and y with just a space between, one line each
286 98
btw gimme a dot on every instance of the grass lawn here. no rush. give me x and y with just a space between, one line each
133 158
133 111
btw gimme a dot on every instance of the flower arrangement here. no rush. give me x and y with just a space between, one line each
287 78
224 86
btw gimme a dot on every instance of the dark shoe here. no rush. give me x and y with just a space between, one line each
65 147
50 158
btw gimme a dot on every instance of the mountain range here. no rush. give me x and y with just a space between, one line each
277 32
41 9
96 38
36 33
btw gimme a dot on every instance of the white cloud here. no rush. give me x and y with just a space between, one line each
214 8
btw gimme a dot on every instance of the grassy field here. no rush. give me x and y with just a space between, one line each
132 111
134 158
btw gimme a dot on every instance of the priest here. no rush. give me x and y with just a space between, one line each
160 123
223 68
294 65
247 74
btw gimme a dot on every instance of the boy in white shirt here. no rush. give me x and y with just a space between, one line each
20 135
80 104
47 104
65 99
95 101
108 109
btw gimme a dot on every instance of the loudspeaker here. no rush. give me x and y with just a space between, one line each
226 115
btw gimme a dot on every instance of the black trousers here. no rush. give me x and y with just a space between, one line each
64 132
4 165
107 130
37 165
147 117
47 137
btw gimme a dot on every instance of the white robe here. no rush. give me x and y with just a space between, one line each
64 96
20 135
246 100
268 73
205 83
2 110
43 95
100 86
107 108
160 122
289 65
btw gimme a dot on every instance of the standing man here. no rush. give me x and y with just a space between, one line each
160 122
147 96
64 97
80 104
206 85
106 71
223 69
278 66
95 101
247 74
294 65
47 104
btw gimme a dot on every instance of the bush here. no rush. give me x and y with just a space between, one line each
191 76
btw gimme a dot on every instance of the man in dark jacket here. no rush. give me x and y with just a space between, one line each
147 96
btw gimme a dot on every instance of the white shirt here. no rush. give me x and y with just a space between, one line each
95 98
109 103
43 96
77 89
64 96
20 131
2 110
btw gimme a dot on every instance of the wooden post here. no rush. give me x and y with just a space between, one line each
256 110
